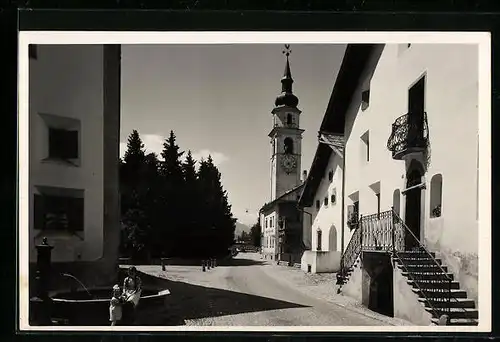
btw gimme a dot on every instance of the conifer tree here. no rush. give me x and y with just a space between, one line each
219 221
190 205
171 184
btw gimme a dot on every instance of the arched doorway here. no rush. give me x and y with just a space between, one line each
413 204
332 238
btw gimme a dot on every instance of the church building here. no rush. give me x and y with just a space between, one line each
281 219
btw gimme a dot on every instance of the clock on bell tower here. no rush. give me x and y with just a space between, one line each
286 137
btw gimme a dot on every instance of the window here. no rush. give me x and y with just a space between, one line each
58 213
436 195
289 119
318 236
333 197
318 204
365 139
378 203
288 146
63 144
266 222
326 201
365 99
408 45
330 176
32 51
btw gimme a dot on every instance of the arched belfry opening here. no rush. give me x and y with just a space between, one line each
288 145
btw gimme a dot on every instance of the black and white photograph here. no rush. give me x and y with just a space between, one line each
252 181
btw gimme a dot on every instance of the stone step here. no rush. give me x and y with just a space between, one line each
421 261
431 284
436 293
428 276
444 303
454 312
416 254
457 321
422 268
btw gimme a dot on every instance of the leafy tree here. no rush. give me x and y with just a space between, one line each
136 230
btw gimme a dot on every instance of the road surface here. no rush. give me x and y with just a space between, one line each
243 293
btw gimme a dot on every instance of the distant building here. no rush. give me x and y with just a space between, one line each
395 175
281 219
74 122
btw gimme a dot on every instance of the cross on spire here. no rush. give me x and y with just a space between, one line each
287 51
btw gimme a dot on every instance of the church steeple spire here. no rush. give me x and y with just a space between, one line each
287 98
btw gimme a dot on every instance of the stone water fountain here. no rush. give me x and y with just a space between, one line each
85 306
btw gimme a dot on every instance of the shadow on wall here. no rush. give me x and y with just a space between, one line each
188 302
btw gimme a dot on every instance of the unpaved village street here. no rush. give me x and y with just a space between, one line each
252 292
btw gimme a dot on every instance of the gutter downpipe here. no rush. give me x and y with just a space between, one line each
343 203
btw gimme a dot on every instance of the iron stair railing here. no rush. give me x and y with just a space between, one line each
386 231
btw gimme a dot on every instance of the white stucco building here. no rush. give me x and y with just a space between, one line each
74 116
400 131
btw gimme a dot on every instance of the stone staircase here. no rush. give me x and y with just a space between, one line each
431 284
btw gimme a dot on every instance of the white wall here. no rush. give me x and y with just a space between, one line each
451 106
269 243
67 80
328 217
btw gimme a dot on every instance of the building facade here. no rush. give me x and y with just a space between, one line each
399 145
280 218
74 94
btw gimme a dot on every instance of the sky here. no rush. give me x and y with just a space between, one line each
218 100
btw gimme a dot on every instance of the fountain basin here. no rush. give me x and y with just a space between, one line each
76 308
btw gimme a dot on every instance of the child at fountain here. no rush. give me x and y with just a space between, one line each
115 306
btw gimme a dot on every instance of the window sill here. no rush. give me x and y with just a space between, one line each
66 162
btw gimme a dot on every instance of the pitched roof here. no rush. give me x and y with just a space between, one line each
355 60
281 198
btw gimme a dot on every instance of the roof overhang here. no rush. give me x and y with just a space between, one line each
354 63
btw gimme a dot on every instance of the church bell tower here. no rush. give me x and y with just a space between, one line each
285 136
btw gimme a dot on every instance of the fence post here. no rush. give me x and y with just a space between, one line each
393 230
360 227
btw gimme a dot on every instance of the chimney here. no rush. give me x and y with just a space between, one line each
304 175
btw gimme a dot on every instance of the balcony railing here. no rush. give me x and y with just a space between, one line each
410 133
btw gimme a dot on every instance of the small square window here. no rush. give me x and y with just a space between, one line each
318 204
58 213
330 176
63 144
333 200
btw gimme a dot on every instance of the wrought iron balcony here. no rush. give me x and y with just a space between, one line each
410 133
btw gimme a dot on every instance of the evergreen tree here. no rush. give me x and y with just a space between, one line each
255 234
153 207
135 225
191 205
172 186
216 211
